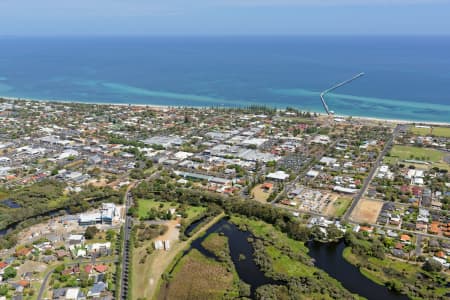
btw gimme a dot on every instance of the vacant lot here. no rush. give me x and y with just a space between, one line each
147 272
147 268
260 194
145 205
338 207
367 211
434 131
198 277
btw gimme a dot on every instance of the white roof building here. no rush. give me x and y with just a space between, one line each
344 190
328 160
68 153
72 293
312 173
278 175
181 155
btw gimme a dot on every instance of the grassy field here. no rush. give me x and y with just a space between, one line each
400 153
437 131
145 205
417 153
337 208
198 277
386 270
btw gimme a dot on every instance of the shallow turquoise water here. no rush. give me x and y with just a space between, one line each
405 77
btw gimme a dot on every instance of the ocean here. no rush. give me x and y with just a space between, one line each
405 77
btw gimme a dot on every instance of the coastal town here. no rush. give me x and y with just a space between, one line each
99 201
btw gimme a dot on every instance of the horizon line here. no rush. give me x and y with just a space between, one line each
226 35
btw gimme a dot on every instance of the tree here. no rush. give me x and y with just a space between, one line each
90 232
334 233
110 234
244 289
432 265
4 290
9 273
377 249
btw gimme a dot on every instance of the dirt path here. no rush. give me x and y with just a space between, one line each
160 261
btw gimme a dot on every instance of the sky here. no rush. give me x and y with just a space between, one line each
224 17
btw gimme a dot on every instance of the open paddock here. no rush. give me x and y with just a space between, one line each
367 211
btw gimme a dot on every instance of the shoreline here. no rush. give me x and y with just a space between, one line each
395 121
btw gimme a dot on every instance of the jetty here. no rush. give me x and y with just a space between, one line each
322 94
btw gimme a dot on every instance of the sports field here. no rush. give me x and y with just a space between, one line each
433 131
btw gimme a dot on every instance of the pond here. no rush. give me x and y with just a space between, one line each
245 266
10 203
193 226
328 257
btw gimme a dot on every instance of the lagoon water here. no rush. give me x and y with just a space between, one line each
405 77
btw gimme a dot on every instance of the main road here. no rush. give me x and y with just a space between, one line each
372 172
126 239
126 244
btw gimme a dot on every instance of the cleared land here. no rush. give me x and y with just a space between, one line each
434 131
338 207
146 275
198 277
260 194
145 205
367 211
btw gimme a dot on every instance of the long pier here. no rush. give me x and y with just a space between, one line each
335 87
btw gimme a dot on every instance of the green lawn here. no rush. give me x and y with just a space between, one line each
146 204
417 153
437 131
339 206
194 211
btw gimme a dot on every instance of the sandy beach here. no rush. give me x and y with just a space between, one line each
155 106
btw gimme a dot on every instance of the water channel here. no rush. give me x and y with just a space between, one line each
328 257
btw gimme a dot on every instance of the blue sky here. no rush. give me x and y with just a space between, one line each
224 17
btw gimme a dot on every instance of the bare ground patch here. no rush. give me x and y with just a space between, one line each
260 194
367 211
